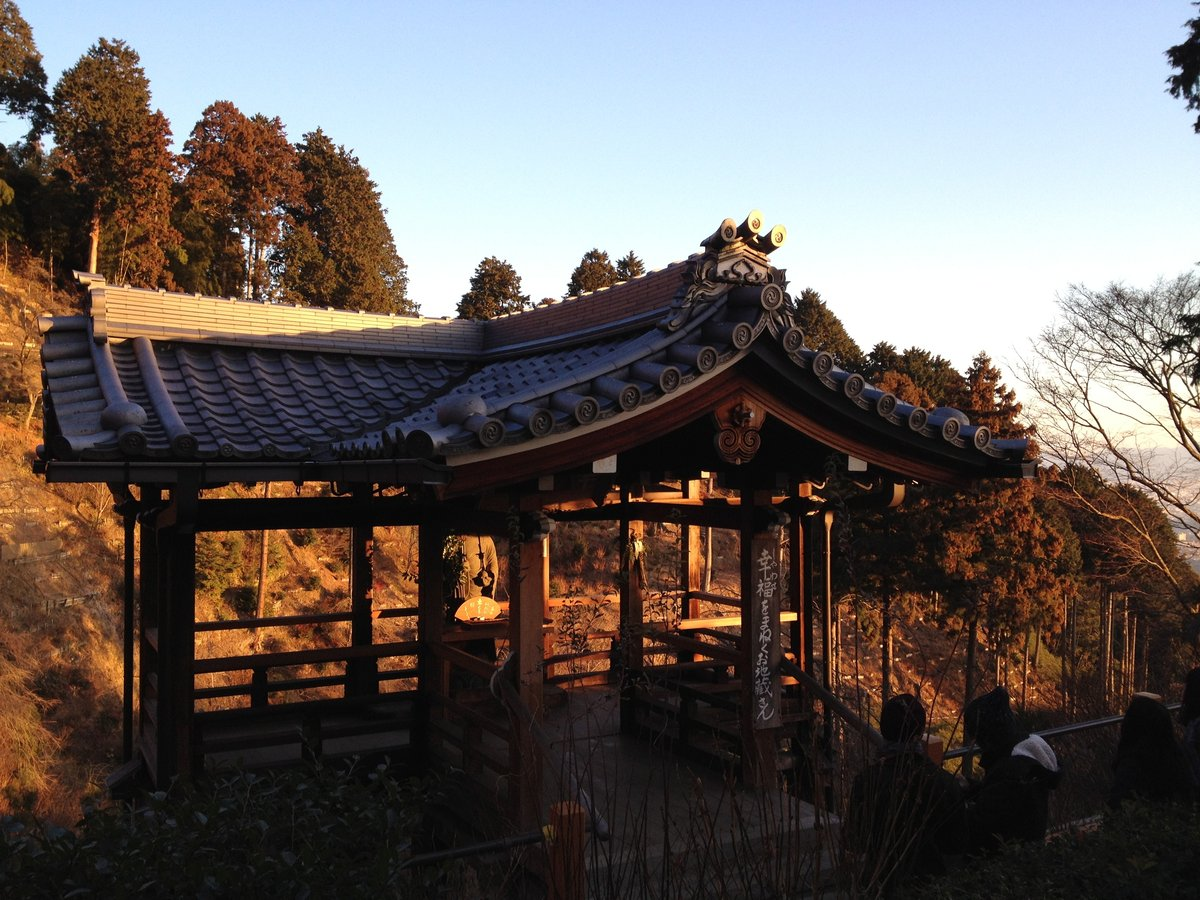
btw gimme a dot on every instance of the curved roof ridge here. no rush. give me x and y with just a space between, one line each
126 312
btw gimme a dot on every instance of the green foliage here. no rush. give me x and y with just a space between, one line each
116 151
495 290
1184 57
922 378
323 834
302 537
824 331
241 177
337 248
991 403
22 78
242 599
594 271
630 266
1142 852
218 562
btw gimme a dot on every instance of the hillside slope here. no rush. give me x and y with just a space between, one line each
60 659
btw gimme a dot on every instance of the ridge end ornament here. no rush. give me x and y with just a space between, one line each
739 421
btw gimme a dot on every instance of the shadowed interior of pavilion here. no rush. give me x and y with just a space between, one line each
614 407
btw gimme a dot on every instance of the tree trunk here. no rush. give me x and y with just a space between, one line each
1105 646
94 252
972 638
34 397
264 547
1025 676
1074 653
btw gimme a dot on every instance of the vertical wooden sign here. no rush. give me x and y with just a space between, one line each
764 632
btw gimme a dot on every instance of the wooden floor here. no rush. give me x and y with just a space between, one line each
667 819
662 826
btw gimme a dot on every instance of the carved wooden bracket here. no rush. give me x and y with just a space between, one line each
739 421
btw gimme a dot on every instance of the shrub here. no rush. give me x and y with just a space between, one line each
1144 851
27 744
218 562
297 834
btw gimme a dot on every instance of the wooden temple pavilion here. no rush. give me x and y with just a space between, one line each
609 406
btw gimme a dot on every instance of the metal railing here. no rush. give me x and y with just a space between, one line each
1047 734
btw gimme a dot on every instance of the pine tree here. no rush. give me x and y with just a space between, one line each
594 271
22 78
630 266
113 147
935 376
495 290
241 177
1185 60
991 402
823 330
337 248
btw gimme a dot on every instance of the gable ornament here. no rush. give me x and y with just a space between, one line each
738 438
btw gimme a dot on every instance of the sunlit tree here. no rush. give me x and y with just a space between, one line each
595 271
241 175
630 266
337 248
22 78
495 290
116 151
823 330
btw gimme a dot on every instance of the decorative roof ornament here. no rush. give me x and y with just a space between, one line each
738 439
733 255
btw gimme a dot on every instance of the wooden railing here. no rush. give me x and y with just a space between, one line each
274 707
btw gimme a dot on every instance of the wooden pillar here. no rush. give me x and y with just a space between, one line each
798 594
362 675
149 593
827 599
690 560
431 620
529 584
761 701
128 632
826 526
631 615
812 560
176 551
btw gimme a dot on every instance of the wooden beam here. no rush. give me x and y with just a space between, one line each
722 653
727 621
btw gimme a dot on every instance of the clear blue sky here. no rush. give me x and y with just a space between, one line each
944 169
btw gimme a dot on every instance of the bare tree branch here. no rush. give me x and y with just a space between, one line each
1116 410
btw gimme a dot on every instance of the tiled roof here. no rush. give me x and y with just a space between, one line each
154 375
